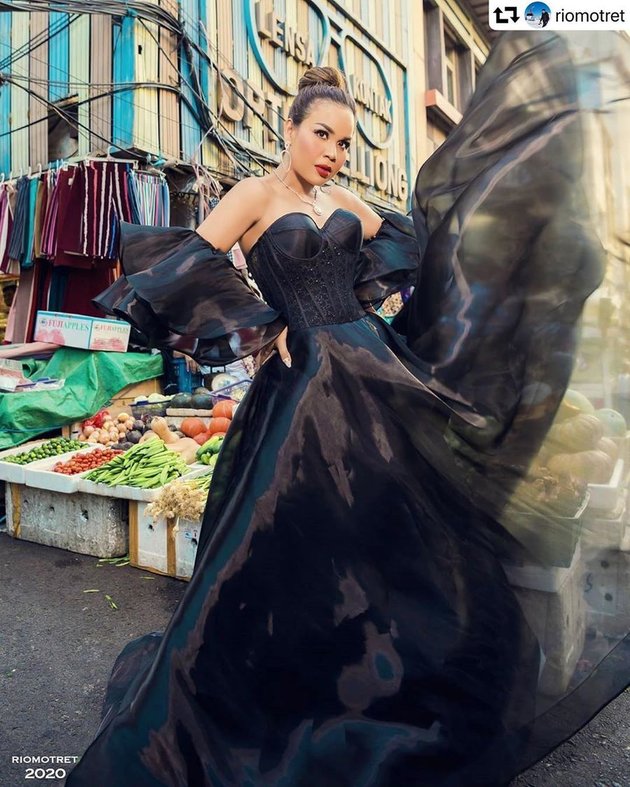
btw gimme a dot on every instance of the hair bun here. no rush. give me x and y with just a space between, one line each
322 75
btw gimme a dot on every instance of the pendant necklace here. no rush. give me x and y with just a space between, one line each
314 207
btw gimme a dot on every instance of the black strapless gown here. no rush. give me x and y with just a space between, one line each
349 621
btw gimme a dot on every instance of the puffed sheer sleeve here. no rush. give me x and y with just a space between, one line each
389 261
179 292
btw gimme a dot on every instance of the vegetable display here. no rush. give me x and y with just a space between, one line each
59 445
209 451
106 430
219 423
147 465
184 446
594 467
83 461
579 433
185 499
579 445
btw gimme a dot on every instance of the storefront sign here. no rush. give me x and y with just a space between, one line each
240 101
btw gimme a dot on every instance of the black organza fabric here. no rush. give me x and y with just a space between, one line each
357 614
164 294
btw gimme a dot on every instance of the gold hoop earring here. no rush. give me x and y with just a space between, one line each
286 150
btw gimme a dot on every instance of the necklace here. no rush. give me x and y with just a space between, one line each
314 207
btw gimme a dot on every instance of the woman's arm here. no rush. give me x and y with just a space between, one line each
236 212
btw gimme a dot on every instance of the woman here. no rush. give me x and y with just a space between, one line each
349 620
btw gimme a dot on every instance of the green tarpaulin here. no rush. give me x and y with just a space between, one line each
91 380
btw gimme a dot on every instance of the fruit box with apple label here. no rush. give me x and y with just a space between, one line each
85 333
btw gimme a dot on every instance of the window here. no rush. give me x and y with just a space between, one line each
63 135
451 65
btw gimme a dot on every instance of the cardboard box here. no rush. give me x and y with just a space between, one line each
77 330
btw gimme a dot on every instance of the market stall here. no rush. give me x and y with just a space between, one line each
130 480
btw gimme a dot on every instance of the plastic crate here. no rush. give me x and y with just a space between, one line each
186 381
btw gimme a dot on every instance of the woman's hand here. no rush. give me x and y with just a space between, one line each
191 365
279 346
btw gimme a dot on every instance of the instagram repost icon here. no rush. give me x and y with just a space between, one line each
537 15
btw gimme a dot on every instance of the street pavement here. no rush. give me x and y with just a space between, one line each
58 644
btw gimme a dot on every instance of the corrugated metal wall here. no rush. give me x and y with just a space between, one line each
38 108
20 31
100 83
123 70
5 95
168 104
79 67
58 54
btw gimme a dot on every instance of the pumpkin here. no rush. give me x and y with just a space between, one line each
594 467
580 433
191 427
202 437
577 399
223 409
614 424
218 425
609 447
566 410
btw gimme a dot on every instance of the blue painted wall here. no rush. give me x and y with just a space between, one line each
124 68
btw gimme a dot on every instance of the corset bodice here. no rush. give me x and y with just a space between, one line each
306 272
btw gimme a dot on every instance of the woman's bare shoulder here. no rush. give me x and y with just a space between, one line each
252 187
347 199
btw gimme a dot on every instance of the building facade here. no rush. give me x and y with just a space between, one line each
212 80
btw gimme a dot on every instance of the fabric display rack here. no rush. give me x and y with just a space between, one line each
59 234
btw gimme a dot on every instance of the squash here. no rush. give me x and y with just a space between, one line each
148 435
191 427
223 409
218 425
160 427
565 411
186 447
594 467
613 422
580 433
577 399
609 447
202 401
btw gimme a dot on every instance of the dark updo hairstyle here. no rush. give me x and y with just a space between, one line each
320 82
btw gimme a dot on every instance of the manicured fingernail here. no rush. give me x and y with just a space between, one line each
287 362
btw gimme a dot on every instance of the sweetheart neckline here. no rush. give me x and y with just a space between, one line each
298 213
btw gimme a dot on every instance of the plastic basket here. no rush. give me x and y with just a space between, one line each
234 391
186 381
